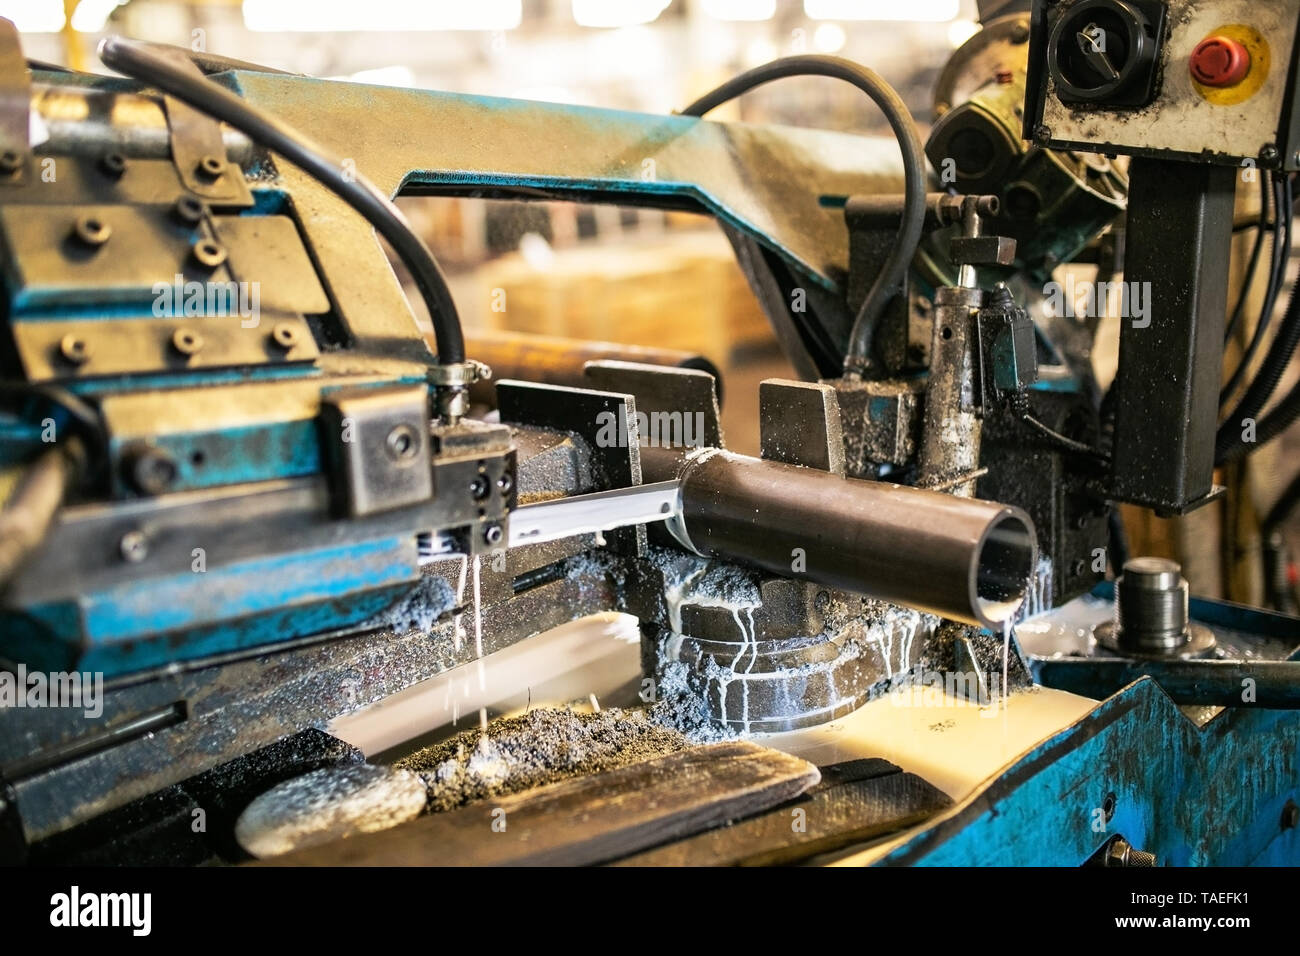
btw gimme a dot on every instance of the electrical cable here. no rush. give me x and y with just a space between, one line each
1282 416
1228 443
156 68
859 355
1065 443
1283 198
1252 266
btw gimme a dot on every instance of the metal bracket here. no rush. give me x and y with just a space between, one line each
198 150
799 424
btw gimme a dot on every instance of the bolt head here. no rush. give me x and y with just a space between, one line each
134 547
92 231
187 342
402 443
189 209
284 335
112 165
211 167
493 534
73 349
208 253
11 161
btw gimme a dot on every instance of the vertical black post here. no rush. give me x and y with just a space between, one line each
1171 342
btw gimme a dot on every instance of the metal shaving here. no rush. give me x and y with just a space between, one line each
534 749
326 805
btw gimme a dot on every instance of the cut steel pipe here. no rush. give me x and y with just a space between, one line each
960 558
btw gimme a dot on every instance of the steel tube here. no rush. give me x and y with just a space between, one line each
960 558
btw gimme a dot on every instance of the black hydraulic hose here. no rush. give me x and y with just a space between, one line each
861 339
1283 198
1228 445
1252 264
1283 415
156 68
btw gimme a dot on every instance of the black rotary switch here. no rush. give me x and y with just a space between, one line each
1105 52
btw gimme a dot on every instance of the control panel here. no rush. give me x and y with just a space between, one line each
1202 80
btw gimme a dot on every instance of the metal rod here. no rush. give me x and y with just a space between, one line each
960 558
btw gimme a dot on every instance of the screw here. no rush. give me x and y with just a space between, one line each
211 167
188 209
1020 32
1122 853
1042 134
1268 154
493 534
112 164
133 546
74 349
401 442
1290 815
92 231
149 469
11 161
505 483
208 253
285 336
187 341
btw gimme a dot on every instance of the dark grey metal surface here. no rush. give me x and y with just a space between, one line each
1171 361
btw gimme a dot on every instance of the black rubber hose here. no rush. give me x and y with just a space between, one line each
149 65
1252 264
859 356
1228 445
1283 415
1276 279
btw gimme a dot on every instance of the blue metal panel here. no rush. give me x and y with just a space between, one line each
1210 795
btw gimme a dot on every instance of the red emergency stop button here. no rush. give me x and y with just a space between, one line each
1220 61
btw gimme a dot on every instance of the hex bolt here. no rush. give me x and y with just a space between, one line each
208 253
211 167
149 469
284 335
401 443
493 534
112 165
479 488
133 547
11 161
1290 815
74 349
505 483
1122 853
189 210
92 231
187 342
